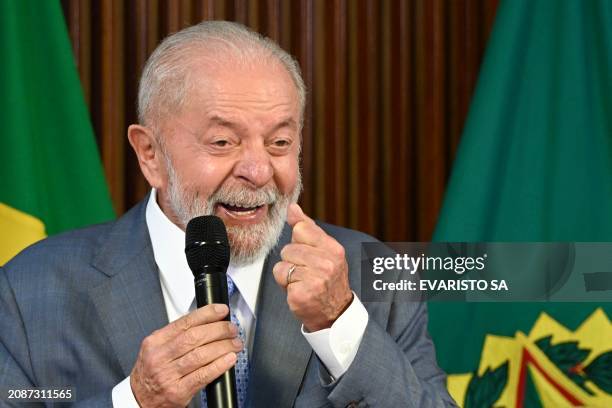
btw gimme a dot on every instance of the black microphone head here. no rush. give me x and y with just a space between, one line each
206 244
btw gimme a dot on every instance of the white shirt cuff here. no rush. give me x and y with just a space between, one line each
123 396
337 346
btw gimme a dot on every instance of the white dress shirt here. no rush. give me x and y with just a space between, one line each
336 346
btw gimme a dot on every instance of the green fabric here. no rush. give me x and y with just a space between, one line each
49 163
535 159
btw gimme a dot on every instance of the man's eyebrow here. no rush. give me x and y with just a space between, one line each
286 123
220 121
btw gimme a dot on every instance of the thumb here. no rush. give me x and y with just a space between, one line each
295 214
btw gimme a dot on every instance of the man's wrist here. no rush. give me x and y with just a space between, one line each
337 346
314 327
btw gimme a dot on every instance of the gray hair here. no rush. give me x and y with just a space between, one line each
165 78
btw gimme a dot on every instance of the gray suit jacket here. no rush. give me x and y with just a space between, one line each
75 307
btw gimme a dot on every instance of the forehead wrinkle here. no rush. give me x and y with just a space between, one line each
230 123
230 111
224 102
238 86
285 123
212 88
273 99
239 124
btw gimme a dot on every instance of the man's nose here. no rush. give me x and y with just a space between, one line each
254 166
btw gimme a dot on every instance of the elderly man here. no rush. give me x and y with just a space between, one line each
109 310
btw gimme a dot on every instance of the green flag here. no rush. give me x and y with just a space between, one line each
534 164
50 173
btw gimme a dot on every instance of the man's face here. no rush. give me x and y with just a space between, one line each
233 152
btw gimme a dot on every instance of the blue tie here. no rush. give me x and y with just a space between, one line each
242 365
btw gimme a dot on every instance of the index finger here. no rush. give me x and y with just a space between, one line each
203 315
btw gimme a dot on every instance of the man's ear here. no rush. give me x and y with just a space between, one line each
149 154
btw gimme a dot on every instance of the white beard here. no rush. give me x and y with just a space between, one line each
249 242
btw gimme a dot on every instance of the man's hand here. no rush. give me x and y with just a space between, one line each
178 360
318 289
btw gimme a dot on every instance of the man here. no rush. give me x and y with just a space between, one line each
109 310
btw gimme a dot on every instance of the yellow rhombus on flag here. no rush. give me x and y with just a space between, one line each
18 231
51 177
568 369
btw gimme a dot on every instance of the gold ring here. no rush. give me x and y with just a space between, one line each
290 272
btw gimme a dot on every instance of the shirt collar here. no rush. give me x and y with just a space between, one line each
247 278
168 242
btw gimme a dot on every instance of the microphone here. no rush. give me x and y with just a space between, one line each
208 255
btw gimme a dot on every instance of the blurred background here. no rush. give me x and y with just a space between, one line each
389 88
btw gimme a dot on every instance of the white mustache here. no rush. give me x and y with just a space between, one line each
244 197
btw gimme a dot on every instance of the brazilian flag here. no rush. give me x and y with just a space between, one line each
534 164
50 174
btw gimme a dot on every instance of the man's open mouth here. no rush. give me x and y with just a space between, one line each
243 212
239 209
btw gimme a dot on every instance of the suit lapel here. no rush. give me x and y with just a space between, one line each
130 305
280 351
130 302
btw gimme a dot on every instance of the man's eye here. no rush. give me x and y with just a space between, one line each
221 143
281 143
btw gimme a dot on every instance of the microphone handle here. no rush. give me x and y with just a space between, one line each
211 287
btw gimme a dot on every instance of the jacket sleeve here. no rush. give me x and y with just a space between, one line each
395 365
101 400
15 367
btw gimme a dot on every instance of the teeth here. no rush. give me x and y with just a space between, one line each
243 205
240 210
249 212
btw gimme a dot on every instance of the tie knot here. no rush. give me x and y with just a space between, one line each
231 287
